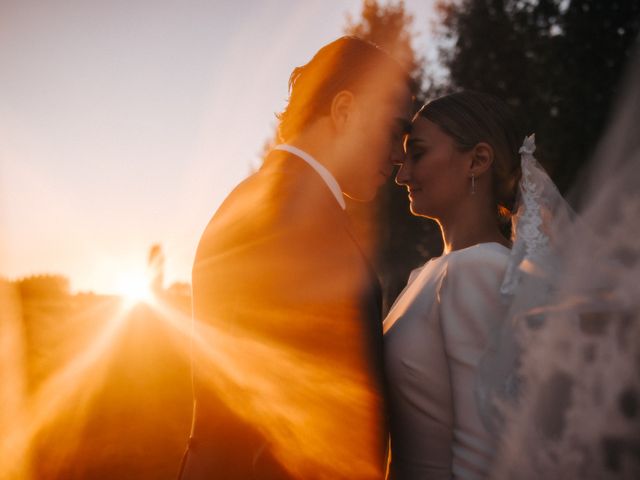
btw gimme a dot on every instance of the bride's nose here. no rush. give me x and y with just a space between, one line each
403 176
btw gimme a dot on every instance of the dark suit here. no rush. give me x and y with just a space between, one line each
287 345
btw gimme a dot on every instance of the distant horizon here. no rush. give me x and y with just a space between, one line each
146 282
72 291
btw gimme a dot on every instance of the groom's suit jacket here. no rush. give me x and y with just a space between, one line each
287 337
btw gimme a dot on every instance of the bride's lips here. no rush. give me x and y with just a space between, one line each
413 191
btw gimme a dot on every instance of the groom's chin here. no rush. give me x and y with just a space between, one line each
362 196
363 192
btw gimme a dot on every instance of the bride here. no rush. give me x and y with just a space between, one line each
462 169
557 313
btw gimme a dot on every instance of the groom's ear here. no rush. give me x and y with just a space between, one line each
341 109
482 157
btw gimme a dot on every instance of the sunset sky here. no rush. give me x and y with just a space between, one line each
126 123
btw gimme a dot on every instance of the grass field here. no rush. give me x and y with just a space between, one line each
105 390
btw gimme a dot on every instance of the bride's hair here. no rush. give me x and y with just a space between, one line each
470 118
344 64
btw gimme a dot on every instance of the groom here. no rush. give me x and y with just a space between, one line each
287 336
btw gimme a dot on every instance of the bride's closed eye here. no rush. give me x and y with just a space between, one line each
417 153
416 148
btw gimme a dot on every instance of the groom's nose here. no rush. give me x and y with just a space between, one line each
402 177
397 154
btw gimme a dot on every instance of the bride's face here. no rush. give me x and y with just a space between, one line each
434 171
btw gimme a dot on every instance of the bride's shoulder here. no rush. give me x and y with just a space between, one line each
473 276
478 260
415 273
486 261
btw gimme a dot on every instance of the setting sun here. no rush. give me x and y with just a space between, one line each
134 288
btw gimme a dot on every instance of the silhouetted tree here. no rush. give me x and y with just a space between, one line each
155 268
556 62
390 27
43 287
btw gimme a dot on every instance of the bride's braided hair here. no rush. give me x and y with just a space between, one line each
470 118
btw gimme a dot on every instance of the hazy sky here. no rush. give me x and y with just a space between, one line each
125 123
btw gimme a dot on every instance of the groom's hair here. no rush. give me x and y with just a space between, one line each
344 64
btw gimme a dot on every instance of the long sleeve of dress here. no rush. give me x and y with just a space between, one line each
469 309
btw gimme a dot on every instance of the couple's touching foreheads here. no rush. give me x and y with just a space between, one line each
296 375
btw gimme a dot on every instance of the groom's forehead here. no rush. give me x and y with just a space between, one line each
403 125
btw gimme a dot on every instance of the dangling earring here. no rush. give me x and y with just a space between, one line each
473 184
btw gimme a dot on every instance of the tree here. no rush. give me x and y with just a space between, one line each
45 287
556 62
155 268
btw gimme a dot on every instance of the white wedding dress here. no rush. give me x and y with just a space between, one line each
435 334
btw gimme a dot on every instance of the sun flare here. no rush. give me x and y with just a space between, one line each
135 289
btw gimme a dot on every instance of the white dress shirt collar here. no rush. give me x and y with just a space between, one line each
326 175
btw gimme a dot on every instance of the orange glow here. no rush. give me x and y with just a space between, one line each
14 457
300 419
72 386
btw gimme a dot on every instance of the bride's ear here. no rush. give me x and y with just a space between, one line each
482 157
341 109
